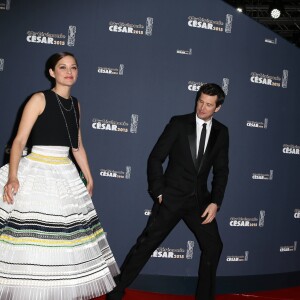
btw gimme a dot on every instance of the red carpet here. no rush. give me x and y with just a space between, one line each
284 294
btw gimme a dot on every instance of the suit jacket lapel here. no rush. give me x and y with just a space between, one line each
192 138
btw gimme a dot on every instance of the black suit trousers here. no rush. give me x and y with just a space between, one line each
159 225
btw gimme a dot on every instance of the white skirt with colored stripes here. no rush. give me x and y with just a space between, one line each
52 245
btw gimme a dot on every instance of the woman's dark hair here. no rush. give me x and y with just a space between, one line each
212 89
52 62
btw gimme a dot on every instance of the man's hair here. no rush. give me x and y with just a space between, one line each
212 89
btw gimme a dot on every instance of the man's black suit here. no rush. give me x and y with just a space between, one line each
181 179
185 197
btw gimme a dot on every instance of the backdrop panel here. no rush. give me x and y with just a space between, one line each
140 63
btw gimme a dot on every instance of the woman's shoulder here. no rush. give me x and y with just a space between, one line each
38 101
74 99
38 97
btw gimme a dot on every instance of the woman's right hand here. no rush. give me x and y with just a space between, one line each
10 190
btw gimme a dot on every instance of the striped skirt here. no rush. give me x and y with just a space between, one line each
52 245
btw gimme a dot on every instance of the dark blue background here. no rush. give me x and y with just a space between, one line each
154 86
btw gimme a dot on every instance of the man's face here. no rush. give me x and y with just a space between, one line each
206 106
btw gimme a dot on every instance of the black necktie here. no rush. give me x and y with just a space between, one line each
201 145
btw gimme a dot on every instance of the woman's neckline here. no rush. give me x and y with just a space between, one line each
61 97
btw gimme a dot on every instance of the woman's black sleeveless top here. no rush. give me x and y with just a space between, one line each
50 128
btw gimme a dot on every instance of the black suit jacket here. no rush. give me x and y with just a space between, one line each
182 179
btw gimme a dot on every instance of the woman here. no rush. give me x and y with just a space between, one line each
52 245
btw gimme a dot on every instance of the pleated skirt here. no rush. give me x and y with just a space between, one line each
52 245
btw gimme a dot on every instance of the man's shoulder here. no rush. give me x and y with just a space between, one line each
218 124
183 118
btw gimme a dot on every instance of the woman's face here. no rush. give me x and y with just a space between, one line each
65 72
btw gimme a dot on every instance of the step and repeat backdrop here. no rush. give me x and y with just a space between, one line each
140 63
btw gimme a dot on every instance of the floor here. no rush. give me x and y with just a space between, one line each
284 294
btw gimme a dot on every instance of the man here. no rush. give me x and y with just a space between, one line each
181 193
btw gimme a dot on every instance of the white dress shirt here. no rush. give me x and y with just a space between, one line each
199 123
